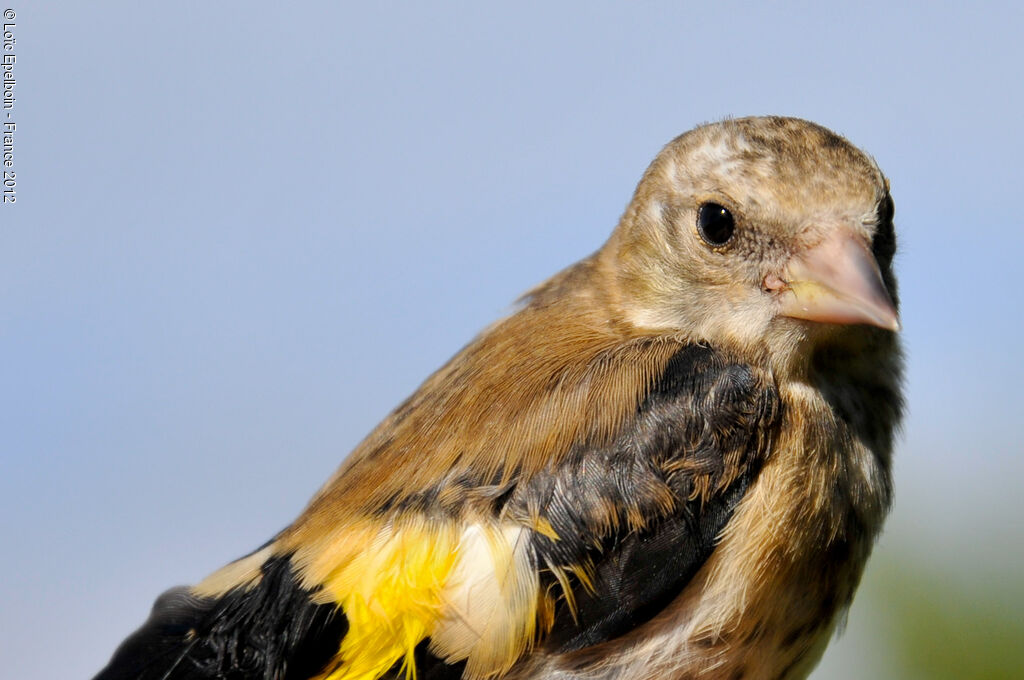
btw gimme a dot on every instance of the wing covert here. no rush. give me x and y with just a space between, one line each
632 522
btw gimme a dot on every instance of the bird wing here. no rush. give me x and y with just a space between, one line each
633 521
564 556
270 630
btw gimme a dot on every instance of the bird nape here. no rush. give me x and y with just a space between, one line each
671 462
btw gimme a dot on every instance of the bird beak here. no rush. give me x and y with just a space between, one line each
836 281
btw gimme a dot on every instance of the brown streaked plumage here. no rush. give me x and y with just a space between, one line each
671 462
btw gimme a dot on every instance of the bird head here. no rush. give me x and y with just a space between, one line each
757 234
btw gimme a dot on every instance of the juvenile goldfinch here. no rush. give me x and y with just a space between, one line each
671 462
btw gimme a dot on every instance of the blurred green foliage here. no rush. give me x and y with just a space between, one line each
944 624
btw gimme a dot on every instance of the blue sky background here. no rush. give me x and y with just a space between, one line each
245 231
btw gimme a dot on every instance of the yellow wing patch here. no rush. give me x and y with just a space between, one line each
473 591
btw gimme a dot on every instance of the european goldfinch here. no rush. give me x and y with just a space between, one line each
671 462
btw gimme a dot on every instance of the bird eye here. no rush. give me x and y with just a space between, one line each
715 224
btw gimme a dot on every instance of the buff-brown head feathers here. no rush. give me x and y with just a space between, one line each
714 240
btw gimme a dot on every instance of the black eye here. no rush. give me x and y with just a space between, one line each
715 224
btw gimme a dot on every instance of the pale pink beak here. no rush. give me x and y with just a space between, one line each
836 281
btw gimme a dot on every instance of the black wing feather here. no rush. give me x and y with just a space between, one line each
696 444
272 630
